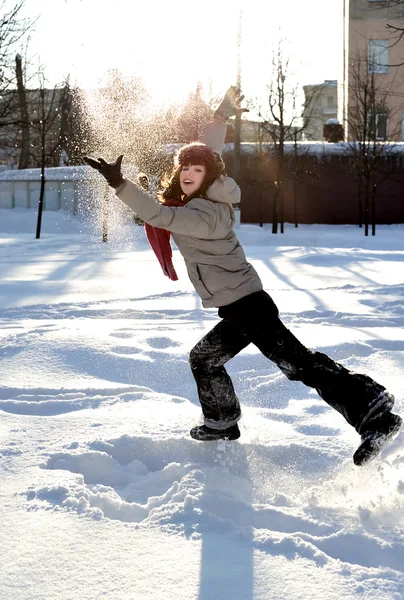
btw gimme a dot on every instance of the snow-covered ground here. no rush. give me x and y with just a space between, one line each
104 494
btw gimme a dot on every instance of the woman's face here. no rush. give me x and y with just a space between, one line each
191 178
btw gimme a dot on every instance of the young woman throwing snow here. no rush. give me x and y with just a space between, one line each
196 207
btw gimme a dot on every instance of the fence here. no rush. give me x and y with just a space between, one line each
319 188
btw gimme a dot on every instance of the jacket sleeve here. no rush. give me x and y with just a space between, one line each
198 218
214 136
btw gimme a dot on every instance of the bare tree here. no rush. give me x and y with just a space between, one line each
393 11
46 105
73 128
368 118
399 4
24 116
67 128
13 28
282 123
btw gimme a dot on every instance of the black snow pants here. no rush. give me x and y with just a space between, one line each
255 319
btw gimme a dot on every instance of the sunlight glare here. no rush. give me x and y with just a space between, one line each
177 44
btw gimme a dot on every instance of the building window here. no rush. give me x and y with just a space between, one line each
330 100
377 126
378 56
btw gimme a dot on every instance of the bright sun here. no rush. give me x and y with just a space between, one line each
174 45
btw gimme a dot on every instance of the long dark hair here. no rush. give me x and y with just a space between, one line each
193 154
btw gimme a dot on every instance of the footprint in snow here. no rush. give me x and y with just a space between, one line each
161 343
317 430
123 333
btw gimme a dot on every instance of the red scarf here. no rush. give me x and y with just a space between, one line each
159 240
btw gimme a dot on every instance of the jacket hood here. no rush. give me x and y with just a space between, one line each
225 190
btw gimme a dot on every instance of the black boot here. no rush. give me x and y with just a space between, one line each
378 431
206 434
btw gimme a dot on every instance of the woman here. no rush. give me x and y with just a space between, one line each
197 209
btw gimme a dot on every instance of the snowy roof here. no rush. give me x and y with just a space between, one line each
319 148
306 147
325 83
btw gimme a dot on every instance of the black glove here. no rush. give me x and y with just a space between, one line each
230 105
111 171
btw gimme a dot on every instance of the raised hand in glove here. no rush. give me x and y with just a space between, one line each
111 171
230 105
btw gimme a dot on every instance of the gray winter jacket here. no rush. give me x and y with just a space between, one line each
203 232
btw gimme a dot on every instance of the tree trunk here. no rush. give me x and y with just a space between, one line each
260 205
22 100
41 202
367 209
279 177
360 208
275 210
64 123
281 206
281 185
374 191
43 163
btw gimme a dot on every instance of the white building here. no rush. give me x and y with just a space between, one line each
321 104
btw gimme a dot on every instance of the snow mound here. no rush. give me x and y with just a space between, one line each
218 490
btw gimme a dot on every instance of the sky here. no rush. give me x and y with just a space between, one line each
173 45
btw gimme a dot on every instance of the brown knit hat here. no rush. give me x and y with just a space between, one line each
200 154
